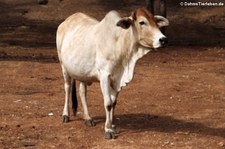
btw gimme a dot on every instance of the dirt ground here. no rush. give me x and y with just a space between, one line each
176 99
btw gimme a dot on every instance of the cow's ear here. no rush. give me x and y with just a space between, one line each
133 15
161 21
125 23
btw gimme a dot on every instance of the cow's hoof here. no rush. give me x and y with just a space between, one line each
115 131
90 123
65 119
110 135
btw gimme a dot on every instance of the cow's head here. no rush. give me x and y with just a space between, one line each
147 27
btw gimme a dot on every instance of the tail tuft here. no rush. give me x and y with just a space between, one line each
74 98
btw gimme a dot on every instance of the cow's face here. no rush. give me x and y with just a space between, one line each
147 27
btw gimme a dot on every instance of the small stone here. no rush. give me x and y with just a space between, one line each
79 113
50 114
17 101
221 144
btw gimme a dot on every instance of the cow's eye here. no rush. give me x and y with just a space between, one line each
142 23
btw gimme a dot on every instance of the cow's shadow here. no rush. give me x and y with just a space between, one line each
145 122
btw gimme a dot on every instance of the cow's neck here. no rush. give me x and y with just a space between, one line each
131 53
131 47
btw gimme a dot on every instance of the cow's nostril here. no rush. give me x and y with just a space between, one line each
163 40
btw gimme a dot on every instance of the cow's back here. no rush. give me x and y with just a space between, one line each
77 22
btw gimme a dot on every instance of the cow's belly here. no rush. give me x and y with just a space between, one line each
91 78
84 76
81 68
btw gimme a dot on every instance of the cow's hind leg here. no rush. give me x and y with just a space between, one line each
83 95
67 86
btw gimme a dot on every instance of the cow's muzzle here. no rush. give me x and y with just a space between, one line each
163 41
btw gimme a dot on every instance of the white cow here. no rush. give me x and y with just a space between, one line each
106 52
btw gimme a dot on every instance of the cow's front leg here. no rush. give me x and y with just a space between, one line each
105 87
114 95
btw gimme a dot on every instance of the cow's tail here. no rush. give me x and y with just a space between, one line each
74 97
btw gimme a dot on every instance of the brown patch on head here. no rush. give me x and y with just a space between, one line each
145 13
147 29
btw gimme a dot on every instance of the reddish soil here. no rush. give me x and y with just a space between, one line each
176 99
